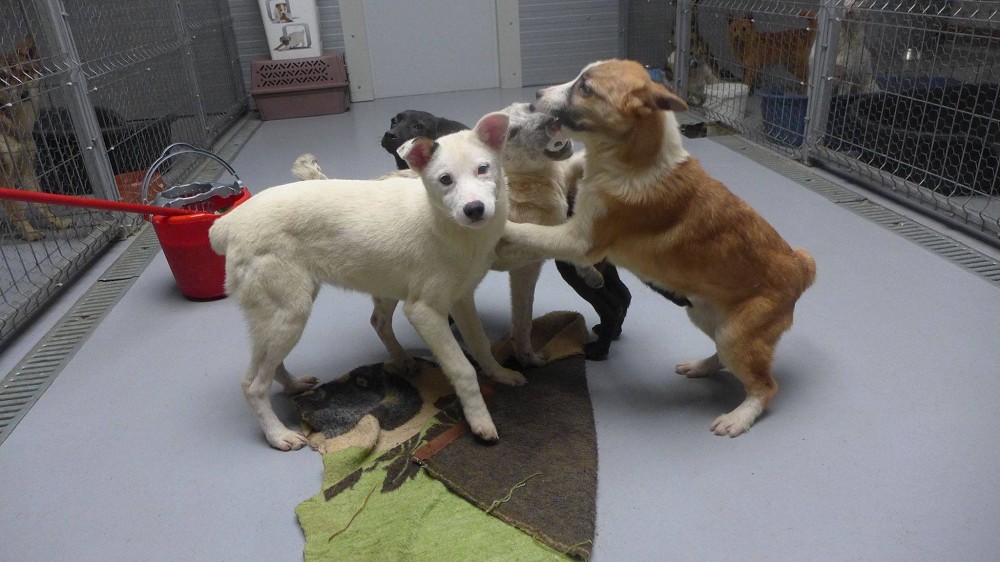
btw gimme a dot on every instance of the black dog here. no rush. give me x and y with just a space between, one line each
410 124
611 301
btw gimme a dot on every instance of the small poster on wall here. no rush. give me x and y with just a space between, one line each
292 28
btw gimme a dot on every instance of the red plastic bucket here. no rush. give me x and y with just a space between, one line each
200 272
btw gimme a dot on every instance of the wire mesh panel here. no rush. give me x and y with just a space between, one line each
916 104
748 66
40 246
903 95
90 94
650 33
216 62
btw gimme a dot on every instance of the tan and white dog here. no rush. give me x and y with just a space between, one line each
427 245
541 173
648 206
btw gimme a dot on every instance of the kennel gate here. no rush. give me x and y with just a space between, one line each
111 85
902 96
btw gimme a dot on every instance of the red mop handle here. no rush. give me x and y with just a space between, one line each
73 201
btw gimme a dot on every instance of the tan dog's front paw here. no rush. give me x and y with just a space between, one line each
529 358
60 223
693 369
514 255
31 235
731 424
698 369
507 376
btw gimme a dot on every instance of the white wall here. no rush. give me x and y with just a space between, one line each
427 46
249 29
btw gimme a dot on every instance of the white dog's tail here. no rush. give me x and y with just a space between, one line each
307 168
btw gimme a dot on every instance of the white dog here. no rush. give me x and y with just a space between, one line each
854 68
427 247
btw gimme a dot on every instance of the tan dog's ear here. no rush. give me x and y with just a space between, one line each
417 152
655 97
663 98
492 130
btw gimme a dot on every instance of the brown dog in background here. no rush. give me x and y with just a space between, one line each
647 205
756 50
18 114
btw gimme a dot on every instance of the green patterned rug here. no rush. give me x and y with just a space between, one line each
378 503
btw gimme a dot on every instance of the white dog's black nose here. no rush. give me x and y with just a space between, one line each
474 210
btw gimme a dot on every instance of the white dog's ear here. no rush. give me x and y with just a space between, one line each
492 130
417 152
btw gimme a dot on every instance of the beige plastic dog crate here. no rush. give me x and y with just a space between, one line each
284 89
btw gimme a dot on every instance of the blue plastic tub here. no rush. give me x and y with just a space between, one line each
784 117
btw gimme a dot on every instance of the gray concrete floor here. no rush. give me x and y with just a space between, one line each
881 445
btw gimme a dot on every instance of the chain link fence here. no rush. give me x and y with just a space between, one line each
91 91
904 96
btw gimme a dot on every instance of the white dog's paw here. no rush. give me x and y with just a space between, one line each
301 385
287 440
732 424
484 429
696 369
507 376
591 276
409 366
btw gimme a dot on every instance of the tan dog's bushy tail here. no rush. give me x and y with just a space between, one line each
808 267
307 168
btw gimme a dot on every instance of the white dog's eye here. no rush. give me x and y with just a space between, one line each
483 168
445 179
585 88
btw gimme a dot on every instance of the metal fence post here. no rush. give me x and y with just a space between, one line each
87 128
234 59
623 8
682 37
821 78
189 69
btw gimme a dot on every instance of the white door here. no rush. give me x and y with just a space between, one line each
428 46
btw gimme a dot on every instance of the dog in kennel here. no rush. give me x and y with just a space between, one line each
20 68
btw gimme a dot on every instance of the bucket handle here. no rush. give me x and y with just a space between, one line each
177 149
